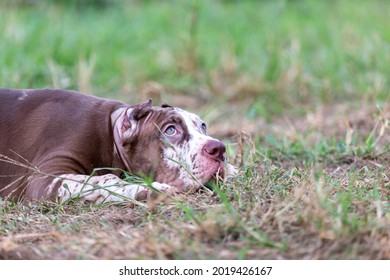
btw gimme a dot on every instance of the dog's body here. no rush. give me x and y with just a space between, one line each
51 141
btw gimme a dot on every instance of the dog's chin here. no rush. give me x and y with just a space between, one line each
215 175
212 174
225 172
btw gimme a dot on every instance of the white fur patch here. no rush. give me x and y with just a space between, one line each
105 188
187 157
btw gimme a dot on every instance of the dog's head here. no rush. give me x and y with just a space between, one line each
170 145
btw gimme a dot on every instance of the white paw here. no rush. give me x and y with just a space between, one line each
162 187
230 171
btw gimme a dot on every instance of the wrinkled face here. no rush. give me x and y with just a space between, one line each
170 145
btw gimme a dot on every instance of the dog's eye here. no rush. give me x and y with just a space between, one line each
170 130
204 127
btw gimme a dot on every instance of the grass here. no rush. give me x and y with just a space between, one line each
298 89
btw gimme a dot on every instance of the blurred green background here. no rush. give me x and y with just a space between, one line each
273 57
298 90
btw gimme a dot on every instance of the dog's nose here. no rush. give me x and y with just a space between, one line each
215 150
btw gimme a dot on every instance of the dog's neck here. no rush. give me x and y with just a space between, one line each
120 157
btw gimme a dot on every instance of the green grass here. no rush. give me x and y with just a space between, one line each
299 90
284 51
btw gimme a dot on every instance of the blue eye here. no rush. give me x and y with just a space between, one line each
170 130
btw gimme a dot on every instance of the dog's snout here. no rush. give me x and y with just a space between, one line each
215 150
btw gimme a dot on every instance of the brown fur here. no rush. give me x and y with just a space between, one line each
64 132
48 133
56 131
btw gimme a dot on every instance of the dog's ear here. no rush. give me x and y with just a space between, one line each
141 110
132 116
165 105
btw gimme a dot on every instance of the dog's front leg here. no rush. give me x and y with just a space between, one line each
105 188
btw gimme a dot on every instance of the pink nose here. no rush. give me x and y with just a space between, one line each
215 150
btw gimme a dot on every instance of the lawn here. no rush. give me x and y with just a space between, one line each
299 91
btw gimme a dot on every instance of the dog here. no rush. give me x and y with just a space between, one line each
59 144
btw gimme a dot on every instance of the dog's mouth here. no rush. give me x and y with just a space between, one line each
209 185
216 177
207 173
226 172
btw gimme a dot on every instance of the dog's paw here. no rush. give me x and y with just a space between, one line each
161 193
230 171
165 188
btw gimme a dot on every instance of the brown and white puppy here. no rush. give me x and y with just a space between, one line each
60 144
